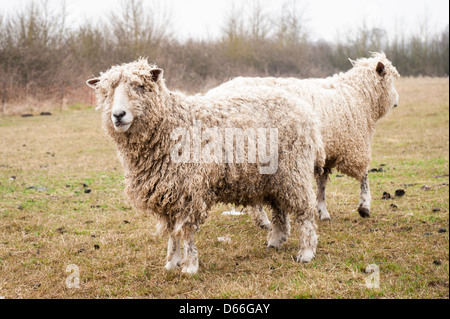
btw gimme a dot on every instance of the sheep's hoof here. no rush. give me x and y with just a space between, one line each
324 215
305 255
265 226
190 270
172 265
276 242
363 212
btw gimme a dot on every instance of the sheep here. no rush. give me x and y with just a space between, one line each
349 105
178 174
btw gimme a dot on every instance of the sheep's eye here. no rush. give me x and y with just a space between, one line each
143 89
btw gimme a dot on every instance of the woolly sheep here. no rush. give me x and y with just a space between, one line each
349 105
144 119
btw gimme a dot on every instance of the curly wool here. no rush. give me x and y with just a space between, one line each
181 194
348 104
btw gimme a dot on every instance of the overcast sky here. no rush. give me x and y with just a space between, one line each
325 18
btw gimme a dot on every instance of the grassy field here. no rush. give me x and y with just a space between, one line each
62 203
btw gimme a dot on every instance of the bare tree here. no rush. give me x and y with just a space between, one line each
258 20
233 27
291 26
138 29
34 37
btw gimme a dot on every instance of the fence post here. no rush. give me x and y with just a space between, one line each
63 95
3 98
26 98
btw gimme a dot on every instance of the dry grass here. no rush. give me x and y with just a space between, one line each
42 231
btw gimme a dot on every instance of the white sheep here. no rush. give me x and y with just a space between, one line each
349 105
179 158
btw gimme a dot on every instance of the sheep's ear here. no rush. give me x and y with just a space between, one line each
381 70
92 82
157 74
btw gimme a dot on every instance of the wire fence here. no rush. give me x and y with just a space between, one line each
18 100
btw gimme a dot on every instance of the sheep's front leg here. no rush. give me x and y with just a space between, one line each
308 240
321 201
173 252
307 227
190 261
364 198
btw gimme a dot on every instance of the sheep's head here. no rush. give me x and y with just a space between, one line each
381 75
127 92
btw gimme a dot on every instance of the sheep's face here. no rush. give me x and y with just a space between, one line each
378 75
121 112
124 94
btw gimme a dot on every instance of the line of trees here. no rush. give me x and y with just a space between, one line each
38 48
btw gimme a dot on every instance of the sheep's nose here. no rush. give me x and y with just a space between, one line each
119 116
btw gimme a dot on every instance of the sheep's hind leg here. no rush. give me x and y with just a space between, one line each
280 228
321 201
364 198
173 252
190 261
259 216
